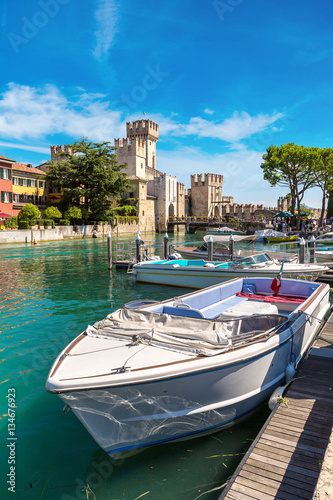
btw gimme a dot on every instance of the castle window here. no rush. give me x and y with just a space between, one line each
141 165
143 212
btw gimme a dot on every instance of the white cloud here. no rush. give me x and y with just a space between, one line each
208 111
25 147
106 17
232 130
31 113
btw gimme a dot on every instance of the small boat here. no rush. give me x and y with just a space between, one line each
189 365
324 254
225 230
272 235
201 273
326 238
282 238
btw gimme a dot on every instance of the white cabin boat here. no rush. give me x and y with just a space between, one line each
201 273
192 364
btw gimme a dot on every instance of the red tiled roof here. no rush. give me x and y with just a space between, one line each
23 167
5 158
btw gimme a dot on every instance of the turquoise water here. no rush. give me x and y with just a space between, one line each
48 295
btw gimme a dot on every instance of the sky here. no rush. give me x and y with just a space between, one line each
224 79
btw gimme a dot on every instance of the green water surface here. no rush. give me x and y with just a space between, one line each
48 295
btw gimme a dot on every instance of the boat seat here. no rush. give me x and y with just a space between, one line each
214 310
181 311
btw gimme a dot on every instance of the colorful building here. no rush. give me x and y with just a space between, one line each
6 189
29 186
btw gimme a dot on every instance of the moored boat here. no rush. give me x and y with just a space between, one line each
188 365
201 273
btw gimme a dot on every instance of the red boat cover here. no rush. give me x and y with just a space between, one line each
272 298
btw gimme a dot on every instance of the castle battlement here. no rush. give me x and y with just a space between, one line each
133 147
56 150
209 180
145 129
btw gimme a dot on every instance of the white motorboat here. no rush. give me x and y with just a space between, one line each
324 254
201 273
273 236
188 365
225 230
326 238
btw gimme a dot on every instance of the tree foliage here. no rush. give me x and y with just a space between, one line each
52 213
73 213
88 177
29 212
323 173
291 166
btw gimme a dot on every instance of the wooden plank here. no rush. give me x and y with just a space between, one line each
286 442
299 425
306 452
288 457
247 493
283 465
270 489
300 434
276 485
286 476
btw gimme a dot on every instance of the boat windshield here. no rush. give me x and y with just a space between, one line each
253 259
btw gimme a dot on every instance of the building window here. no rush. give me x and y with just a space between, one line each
5 173
143 212
24 182
6 197
29 182
15 181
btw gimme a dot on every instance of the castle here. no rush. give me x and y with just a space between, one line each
160 196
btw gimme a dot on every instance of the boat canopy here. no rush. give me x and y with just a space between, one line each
196 336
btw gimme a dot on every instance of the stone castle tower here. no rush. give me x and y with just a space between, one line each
55 150
206 195
138 150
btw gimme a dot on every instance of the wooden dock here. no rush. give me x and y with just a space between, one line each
284 461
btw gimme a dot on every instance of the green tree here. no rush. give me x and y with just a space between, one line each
323 173
52 213
291 166
29 213
88 177
330 204
73 213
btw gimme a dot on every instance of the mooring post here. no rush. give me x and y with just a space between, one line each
109 251
231 247
301 257
166 246
312 246
210 248
138 244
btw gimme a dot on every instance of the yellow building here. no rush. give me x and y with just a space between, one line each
29 186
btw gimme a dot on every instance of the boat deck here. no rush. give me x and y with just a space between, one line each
285 460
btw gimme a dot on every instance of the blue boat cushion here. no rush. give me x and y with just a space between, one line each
180 311
249 288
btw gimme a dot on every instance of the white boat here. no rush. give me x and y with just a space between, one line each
324 254
225 231
201 273
326 238
188 365
273 236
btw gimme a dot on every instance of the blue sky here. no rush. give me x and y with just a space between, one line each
224 79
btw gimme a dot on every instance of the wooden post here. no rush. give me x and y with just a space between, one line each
231 247
312 246
301 257
109 251
210 248
166 248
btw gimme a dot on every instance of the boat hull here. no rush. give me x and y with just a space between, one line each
205 277
126 418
